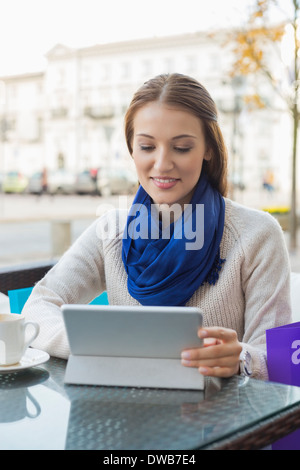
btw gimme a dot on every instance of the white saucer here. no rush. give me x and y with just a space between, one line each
32 357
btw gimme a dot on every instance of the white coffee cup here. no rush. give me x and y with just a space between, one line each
15 337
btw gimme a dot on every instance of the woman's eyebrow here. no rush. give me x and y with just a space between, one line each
184 135
145 135
181 136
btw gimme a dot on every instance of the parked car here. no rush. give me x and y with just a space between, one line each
14 182
116 181
86 182
1 180
61 182
35 183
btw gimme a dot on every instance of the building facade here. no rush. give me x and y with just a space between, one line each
71 114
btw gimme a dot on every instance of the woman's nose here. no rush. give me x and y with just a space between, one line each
163 161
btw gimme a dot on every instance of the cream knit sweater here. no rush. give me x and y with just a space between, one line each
251 295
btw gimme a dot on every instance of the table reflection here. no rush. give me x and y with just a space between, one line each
133 418
30 403
38 411
16 401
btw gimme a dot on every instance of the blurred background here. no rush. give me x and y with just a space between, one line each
68 70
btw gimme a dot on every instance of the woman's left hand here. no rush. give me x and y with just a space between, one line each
220 354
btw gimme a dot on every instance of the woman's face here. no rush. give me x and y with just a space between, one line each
168 150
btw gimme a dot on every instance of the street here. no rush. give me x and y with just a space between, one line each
25 242
25 223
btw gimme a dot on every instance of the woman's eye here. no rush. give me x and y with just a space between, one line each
150 148
182 149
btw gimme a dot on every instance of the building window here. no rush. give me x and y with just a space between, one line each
125 70
60 77
13 93
39 88
191 64
215 62
169 64
86 75
60 160
146 67
105 72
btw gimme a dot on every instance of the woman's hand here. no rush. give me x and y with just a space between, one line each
220 356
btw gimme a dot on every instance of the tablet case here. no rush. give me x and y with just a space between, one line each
132 346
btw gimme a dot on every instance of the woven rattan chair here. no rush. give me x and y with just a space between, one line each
18 277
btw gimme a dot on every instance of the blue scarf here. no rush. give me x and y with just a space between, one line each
164 265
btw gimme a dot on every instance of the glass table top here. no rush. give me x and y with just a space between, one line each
38 411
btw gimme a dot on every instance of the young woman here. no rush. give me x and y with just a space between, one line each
236 269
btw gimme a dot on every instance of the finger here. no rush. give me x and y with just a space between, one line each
210 342
230 361
223 334
212 352
223 372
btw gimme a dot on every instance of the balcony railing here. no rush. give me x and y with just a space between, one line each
99 112
58 113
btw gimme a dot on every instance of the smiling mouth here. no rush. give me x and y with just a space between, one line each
164 182
164 179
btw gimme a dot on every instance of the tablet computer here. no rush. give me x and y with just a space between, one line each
131 331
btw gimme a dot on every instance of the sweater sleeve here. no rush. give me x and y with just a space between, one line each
78 277
266 284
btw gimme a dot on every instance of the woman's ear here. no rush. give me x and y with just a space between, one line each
208 154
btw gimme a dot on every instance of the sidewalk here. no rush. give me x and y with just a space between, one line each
14 207
28 208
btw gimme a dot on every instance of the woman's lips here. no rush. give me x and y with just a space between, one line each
164 183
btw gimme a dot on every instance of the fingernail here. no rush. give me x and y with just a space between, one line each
185 355
202 334
203 370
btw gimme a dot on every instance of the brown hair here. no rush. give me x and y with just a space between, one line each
186 93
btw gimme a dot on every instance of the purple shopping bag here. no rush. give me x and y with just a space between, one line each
283 354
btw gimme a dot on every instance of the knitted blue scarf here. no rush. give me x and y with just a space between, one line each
166 265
